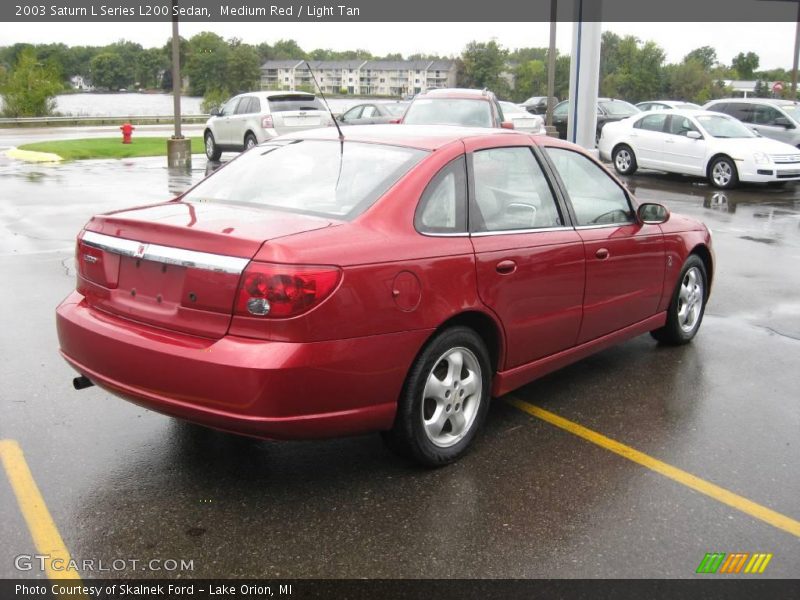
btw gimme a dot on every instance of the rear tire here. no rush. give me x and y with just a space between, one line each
444 400
213 152
624 160
688 304
250 141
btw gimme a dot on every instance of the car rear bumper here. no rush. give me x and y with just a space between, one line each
253 387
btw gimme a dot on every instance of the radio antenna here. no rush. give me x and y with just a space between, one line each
325 100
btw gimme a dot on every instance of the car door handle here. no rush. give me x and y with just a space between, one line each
602 253
669 141
506 267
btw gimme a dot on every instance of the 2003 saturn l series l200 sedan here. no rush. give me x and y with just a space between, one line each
391 281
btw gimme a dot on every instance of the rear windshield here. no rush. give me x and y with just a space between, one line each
449 111
618 107
315 177
296 102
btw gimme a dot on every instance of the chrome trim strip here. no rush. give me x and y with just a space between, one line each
605 225
166 254
519 231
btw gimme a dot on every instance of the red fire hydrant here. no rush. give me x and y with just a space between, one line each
127 132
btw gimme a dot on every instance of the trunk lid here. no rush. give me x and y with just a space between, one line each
296 112
177 265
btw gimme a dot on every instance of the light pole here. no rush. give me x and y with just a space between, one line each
796 53
551 67
179 148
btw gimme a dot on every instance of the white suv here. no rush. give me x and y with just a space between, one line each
248 119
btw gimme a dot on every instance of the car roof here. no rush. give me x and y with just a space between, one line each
685 112
423 137
773 101
456 93
272 93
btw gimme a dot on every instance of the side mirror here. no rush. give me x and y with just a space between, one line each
215 112
394 122
507 125
694 135
340 118
651 213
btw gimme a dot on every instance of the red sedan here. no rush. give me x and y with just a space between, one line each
394 281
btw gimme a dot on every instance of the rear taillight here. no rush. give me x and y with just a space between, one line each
266 122
280 291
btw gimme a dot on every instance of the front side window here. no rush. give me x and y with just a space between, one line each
443 206
316 177
511 192
765 115
230 107
596 198
679 125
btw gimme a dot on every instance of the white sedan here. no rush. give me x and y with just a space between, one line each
522 119
707 144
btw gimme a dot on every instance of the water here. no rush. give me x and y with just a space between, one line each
123 105
132 104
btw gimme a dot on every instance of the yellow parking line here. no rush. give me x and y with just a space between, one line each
691 481
43 530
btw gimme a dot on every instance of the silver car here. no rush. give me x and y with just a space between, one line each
776 119
249 119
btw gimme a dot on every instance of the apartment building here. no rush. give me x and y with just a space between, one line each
360 77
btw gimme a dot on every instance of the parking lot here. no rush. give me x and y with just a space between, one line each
532 499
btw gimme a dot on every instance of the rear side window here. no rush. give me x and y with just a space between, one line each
294 102
248 105
511 192
443 206
741 111
595 197
652 122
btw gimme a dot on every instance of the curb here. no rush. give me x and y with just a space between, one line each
31 156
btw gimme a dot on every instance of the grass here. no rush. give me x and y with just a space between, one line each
108 147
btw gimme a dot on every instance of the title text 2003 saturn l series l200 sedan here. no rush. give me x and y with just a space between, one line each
394 281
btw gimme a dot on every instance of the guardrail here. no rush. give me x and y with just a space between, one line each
102 120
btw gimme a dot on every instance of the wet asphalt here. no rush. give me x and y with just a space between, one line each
530 500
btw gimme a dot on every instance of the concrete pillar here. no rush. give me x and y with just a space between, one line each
584 76
179 152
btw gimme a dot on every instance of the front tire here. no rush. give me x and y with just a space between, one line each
213 152
688 305
624 160
722 173
444 400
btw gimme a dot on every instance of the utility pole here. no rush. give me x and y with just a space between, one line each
551 68
796 53
179 148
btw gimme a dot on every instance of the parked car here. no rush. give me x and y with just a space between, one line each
667 104
373 113
537 105
701 143
456 106
608 110
248 119
523 120
776 119
357 292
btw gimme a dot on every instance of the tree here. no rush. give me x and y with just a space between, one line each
150 66
745 64
630 69
206 62
483 63
287 49
29 90
109 71
243 72
530 79
706 56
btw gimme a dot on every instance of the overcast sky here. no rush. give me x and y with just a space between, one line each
773 42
